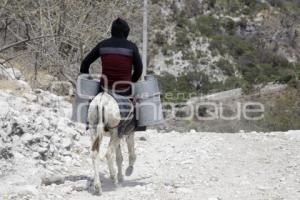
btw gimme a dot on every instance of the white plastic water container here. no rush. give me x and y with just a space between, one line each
87 86
86 89
80 110
148 104
147 88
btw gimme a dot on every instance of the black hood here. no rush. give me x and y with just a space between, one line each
120 28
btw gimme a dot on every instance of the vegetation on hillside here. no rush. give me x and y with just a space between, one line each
284 113
252 61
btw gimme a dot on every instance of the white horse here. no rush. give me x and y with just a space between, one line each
104 118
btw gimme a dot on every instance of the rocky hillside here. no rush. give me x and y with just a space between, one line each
35 125
218 44
189 27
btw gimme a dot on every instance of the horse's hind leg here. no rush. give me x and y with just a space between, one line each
110 154
131 152
96 133
119 159
96 142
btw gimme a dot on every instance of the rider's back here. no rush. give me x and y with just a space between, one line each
119 57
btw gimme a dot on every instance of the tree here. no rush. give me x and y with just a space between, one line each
55 35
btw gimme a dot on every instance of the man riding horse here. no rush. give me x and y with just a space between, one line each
121 66
119 58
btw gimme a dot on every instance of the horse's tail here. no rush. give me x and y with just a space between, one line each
95 124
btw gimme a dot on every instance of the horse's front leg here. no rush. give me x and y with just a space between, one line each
131 152
110 154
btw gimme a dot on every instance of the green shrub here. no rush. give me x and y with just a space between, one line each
247 87
256 64
276 3
249 7
167 49
226 67
233 45
182 40
167 82
284 114
286 5
182 20
192 8
187 54
169 62
232 83
173 86
185 84
159 39
211 3
207 25
229 25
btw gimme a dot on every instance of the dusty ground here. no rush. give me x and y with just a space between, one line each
175 166
38 140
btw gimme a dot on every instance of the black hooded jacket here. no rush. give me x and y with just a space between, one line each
120 58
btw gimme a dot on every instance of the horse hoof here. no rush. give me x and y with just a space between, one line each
129 170
116 185
97 190
114 180
120 179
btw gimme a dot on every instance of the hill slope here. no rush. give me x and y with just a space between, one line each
216 45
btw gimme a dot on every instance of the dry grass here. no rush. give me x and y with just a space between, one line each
40 80
8 85
13 87
28 72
